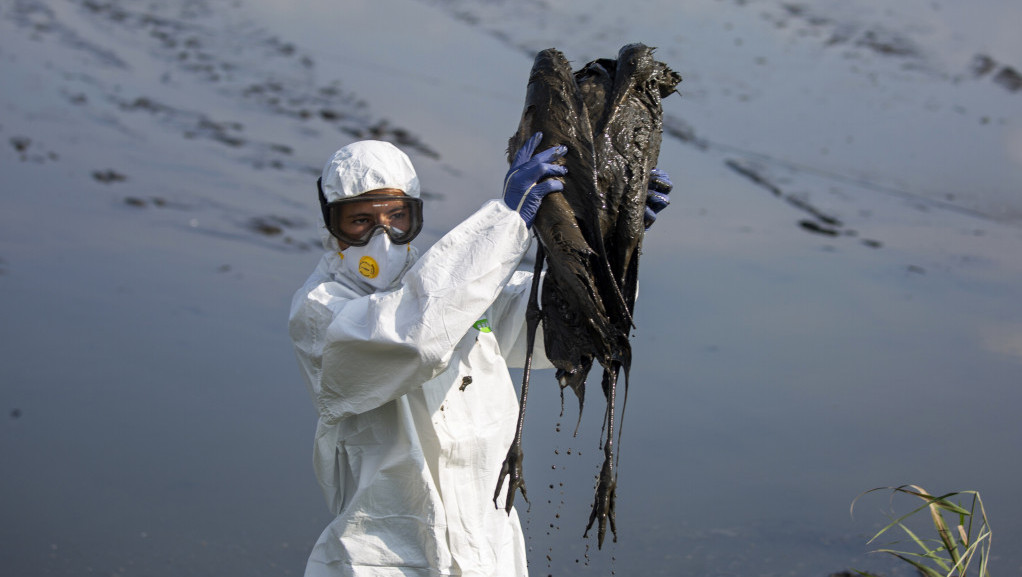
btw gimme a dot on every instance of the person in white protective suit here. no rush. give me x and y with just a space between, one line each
406 359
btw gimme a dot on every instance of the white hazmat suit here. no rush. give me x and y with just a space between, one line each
416 406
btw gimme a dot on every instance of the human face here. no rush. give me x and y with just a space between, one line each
354 221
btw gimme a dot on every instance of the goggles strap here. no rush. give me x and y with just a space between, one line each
323 203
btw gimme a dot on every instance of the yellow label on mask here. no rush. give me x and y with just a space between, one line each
368 267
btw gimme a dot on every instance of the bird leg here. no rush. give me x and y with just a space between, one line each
512 466
606 489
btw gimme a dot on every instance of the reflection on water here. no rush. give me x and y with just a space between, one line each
154 419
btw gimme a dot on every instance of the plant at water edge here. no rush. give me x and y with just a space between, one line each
954 551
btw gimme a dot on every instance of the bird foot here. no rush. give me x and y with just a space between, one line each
512 470
603 506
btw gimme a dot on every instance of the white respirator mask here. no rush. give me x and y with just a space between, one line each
380 263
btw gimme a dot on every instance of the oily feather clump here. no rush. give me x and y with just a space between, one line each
609 115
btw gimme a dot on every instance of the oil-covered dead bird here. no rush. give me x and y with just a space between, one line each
609 115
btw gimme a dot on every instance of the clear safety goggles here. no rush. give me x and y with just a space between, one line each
355 220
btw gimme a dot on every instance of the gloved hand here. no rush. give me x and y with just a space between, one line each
656 197
523 190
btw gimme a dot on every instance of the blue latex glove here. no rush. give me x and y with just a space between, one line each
523 190
656 197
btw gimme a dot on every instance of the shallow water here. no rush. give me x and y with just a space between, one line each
154 419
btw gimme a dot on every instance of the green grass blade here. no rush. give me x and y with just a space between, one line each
931 554
927 571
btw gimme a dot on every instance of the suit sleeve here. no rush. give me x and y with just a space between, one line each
510 323
360 352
